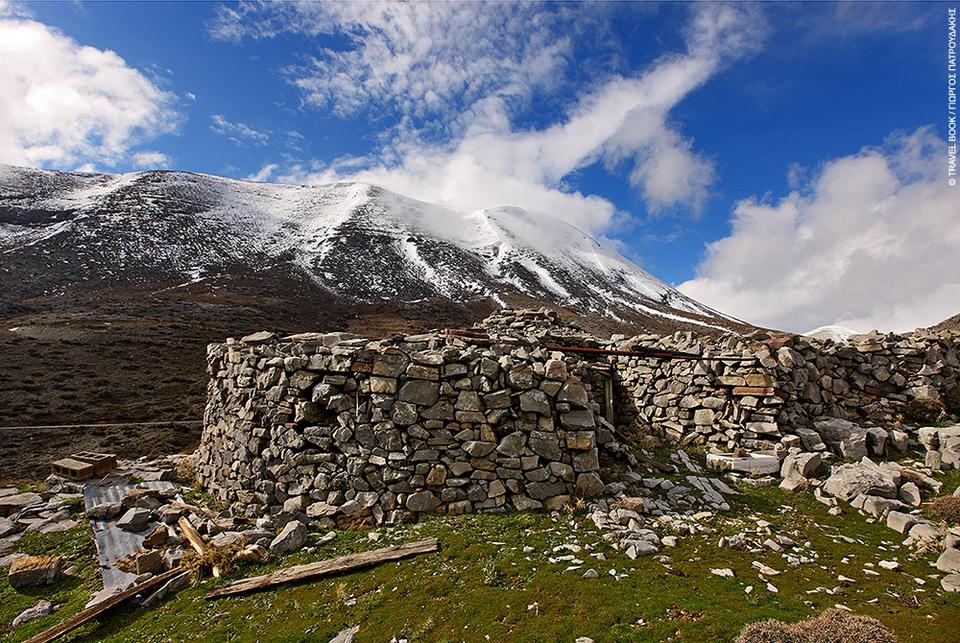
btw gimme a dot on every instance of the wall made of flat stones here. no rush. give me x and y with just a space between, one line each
781 384
343 429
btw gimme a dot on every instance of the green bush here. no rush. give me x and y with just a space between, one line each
924 410
832 626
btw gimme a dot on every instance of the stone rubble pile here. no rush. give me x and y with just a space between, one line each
645 505
893 493
47 512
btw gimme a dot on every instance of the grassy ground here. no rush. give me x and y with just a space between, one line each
482 584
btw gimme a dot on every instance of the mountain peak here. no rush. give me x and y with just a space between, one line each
355 240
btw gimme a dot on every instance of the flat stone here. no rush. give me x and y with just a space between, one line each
135 519
478 449
468 401
32 571
589 485
261 337
555 369
422 501
811 439
104 511
291 538
7 527
753 463
535 401
41 609
512 444
420 392
148 562
574 393
578 420
12 504
848 480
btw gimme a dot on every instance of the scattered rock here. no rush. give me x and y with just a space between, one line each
291 538
31 571
42 608
135 519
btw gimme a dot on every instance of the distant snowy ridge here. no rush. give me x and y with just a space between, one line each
836 333
354 239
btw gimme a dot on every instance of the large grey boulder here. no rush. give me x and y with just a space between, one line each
846 481
950 583
900 522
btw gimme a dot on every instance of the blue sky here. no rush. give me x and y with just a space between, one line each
718 108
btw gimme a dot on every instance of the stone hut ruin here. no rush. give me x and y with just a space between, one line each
518 414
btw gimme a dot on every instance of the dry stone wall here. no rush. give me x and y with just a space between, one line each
343 429
757 391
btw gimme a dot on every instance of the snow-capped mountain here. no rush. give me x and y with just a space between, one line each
61 231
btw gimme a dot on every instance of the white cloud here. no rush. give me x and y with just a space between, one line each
151 159
263 174
493 162
239 133
422 58
870 242
65 104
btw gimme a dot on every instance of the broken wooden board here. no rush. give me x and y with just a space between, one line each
196 541
347 563
92 612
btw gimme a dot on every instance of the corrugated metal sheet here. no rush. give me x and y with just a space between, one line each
113 543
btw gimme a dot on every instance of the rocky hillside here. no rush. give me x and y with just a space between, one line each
65 233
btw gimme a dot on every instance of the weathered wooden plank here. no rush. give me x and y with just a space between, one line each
196 541
329 567
92 612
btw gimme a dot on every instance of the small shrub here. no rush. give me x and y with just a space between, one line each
924 410
186 470
769 631
948 508
838 626
832 626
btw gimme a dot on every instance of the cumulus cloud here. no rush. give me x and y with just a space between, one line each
869 242
64 104
491 161
239 133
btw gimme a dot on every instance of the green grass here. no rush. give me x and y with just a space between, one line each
474 587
